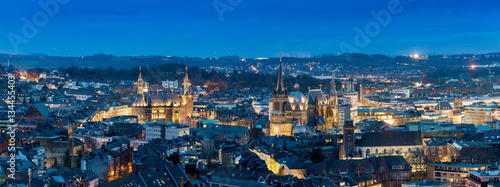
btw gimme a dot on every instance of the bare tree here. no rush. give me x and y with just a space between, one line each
418 162
207 148
90 144
433 154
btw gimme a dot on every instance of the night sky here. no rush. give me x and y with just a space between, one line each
249 28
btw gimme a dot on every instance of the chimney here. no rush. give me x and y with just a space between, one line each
29 177
349 122
181 182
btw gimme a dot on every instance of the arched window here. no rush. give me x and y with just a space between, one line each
367 152
385 151
376 151
409 150
360 152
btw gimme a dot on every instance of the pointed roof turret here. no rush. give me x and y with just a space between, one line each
280 88
332 97
186 77
186 82
140 83
140 75
333 88
334 103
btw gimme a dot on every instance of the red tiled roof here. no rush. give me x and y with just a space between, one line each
33 112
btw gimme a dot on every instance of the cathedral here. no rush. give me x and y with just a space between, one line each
290 110
324 109
165 105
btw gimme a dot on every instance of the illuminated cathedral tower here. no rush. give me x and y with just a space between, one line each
140 83
279 123
187 98
333 118
323 112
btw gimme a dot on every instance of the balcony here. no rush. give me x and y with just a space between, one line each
474 180
450 170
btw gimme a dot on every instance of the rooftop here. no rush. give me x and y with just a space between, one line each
480 173
427 183
454 164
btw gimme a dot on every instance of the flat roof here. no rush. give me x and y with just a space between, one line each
377 110
464 165
427 183
485 172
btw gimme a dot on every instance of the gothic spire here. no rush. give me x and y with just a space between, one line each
334 103
140 83
186 78
333 92
280 88
140 74
186 82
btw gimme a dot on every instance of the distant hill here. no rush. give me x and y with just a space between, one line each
346 60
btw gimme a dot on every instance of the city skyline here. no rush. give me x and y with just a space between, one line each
396 93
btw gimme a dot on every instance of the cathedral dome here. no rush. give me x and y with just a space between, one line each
300 129
296 87
297 99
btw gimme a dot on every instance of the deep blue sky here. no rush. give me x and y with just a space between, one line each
254 28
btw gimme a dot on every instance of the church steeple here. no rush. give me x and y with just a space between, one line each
280 88
186 77
140 75
140 83
334 104
186 82
333 89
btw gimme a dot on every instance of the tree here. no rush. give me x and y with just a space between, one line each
433 154
317 155
284 148
79 159
175 158
418 162
208 148
55 163
90 143
67 159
